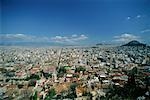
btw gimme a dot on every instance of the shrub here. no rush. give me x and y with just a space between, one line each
51 94
80 69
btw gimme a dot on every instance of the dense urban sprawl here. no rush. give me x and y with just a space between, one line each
82 73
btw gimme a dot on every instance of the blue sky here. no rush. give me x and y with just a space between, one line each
75 21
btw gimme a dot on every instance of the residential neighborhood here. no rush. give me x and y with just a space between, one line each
80 73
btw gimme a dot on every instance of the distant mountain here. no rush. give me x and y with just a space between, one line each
99 44
134 43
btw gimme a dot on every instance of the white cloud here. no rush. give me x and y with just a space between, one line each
126 37
72 39
134 17
22 37
31 38
128 18
146 30
74 35
138 16
14 37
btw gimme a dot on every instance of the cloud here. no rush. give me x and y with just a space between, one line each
31 38
21 37
74 35
126 37
72 39
134 17
128 18
14 37
138 16
145 31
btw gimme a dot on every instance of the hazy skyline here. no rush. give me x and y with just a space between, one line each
75 21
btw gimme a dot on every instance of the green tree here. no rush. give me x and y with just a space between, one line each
147 81
51 94
134 70
62 70
73 86
75 75
34 76
35 96
80 69
47 75
72 93
131 76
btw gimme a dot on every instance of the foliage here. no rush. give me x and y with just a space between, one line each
60 74
72 93
51 94
71 96
73 86
133 71
10 74
20 86
126 92
78 69
47 75
130 91
34 76
7 80
32 82
75 75
35 96
62 70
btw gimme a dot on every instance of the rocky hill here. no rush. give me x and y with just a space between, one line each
134 43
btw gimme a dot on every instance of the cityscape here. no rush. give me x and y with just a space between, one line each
74 50
82 73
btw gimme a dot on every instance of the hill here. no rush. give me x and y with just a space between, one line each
134 43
